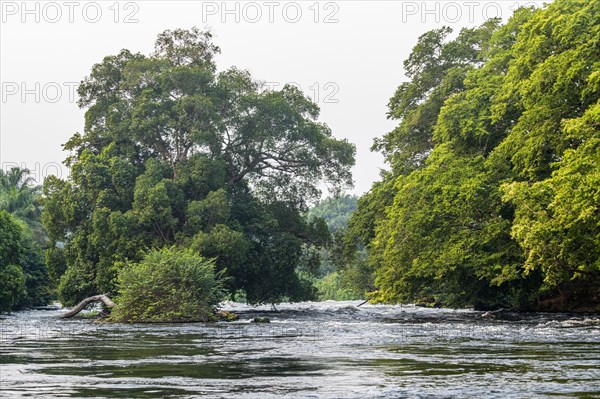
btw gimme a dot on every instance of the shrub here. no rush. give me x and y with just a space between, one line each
168 285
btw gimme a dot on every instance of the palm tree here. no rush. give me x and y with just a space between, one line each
19 197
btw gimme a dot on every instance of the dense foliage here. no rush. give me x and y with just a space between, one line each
493 194
335 211
12 278
338 276
168 285
23 277
176 153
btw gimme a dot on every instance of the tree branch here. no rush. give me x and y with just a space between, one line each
82 305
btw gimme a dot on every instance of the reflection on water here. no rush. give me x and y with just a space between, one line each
309 350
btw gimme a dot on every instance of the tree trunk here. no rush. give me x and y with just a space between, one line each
96 298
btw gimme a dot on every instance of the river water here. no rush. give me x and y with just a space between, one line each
308 350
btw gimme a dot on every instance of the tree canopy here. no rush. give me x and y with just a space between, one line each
335 211
492 198
23 276
175 152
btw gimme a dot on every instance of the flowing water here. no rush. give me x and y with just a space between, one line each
308 350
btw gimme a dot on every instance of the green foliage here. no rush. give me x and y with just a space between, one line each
25 281
20 198
168 285
12 278
338 272
370 211
229 247
327 219
39 290
11 248
176 153
209 212
445 235
341 286
492 198
329 288
13 287
335 211
556 219
75 284
437 70
55 263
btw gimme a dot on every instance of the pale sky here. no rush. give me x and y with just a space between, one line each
346 55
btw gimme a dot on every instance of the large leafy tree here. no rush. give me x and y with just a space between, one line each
492 199
175 152
557 220
437 68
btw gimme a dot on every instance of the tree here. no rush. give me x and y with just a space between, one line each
491 199
557 220
12 278
335 211
342 274
20 198
437 69
445 237
176 153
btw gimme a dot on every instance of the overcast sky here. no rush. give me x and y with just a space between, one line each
346 55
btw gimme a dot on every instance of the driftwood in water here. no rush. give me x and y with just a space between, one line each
82 305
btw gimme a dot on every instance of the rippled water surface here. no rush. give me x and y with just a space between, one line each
309 350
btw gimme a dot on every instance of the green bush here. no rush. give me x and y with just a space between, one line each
168 285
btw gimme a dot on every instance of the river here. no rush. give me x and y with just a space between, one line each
308 350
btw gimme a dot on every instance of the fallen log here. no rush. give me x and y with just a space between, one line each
82 305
